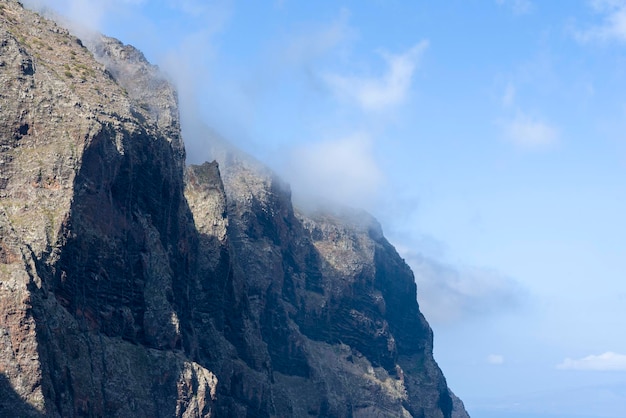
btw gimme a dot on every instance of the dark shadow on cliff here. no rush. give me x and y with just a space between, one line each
120 248
130 257
112 315
12 405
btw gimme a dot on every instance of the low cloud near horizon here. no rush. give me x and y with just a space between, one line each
608 361
448 294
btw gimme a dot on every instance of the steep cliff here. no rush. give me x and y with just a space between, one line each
133 286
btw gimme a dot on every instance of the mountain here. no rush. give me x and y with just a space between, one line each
132 285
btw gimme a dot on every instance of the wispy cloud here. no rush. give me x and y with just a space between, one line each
343 171
448 294
509 95
379 93
613 25
310 43
84 16
529 132
608 361
495 359
519 7
521 128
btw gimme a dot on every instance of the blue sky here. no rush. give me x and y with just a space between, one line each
489 138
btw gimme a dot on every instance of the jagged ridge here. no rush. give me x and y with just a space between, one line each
133 287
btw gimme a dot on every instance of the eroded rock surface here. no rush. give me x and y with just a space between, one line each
335 304
131 286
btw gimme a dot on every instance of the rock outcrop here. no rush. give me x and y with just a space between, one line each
133 286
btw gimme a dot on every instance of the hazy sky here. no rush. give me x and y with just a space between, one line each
488 137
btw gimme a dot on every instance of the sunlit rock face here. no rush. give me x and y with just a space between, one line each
133 286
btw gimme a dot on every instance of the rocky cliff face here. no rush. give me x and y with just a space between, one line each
133 286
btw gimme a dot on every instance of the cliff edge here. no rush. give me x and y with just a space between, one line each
134 286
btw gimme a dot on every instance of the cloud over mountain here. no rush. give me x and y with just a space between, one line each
448 293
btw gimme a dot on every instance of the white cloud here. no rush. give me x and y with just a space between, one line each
343 171
529 132
613 26
378 93
449 294
495 359
519 7
522 129
608 361
83 16
602 5
189 66
508 98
